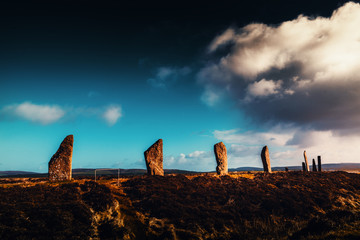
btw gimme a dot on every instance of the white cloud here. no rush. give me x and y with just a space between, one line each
324 45
313 64
48 114
263 88
195 161
43 114
244 147
274 137
112 114
166 76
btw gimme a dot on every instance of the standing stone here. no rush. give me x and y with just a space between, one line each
60 163
319 163
286 169
314 166
265 157
154 158
307 168
303 166
221 158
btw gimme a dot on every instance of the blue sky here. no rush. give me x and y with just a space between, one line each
143 113
119 77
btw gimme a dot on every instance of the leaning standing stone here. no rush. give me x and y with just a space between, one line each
221 158
60 163
265 157
307 168
154 158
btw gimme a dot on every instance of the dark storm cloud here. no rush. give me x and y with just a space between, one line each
302 72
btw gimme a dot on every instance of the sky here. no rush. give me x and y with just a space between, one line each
120 75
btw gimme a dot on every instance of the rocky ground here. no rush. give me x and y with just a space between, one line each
293 205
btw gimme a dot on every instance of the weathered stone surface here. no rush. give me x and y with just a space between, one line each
265 157
319 163
221 158
314 166
307 168
154 158
60 163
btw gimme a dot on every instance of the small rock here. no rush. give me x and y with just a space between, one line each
60 163
265 157
221 158
154 158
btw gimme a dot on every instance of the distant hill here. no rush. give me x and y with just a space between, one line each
129 172
16 173
89 172
325 167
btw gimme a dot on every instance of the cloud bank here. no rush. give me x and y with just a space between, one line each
287 145
303 72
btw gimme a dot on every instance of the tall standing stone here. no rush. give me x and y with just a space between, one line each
314 166
319 163
221 158
307 168
154 158
265 157
60 163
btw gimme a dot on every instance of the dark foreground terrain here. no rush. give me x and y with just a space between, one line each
291 205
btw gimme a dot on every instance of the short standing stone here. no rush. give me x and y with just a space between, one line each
60 163
303 167
314 166
265 157
221 158
154 158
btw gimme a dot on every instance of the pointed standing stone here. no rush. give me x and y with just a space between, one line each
221 158
154 158
314 166
60 163
307 168
265 157
319 163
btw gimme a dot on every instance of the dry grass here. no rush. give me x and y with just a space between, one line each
291 205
